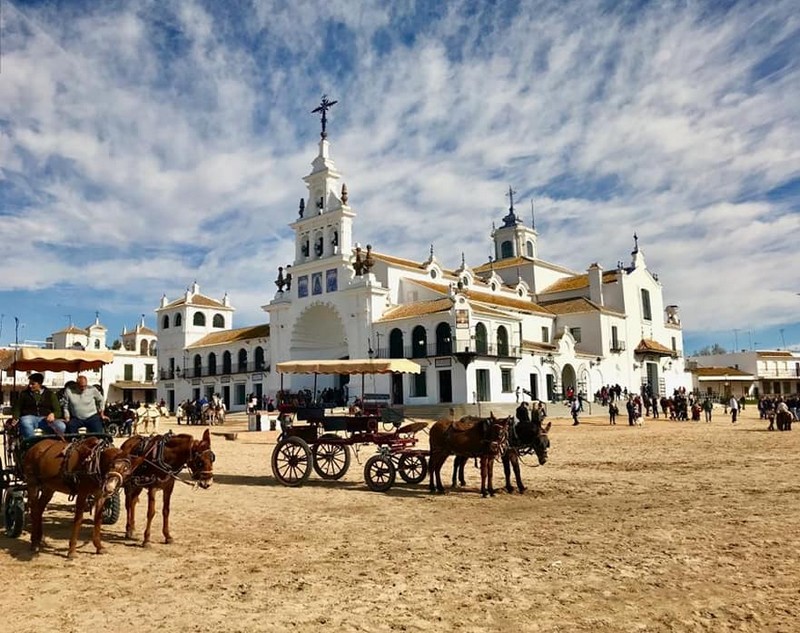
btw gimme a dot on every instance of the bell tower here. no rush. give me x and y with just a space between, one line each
324 227
513 238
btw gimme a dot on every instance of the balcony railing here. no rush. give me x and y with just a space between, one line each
204 371
448 349
617 347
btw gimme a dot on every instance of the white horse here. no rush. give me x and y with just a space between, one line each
147 414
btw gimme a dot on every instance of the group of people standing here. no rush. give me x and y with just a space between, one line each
79 405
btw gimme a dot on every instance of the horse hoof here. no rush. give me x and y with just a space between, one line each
100 550
522 490
168 540
509 489
146 544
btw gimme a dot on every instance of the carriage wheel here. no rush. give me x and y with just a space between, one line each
291 461
379 473
111 509
413 468
13 514
331 461
112 428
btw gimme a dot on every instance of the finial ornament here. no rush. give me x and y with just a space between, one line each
344 193
431 251
463 261
324 105
511 218
302 209
635 243
280 281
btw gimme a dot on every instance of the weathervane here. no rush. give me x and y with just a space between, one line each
324 106
510 194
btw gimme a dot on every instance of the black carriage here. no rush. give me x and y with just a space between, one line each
13 489
314 437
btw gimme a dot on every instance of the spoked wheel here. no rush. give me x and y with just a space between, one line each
331 461
413 468
113 429
111 508
13 514
291 461
379 473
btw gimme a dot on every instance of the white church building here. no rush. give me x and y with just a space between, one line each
478 333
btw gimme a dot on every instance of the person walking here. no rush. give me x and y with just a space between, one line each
734 406
613 410
575 407
708 407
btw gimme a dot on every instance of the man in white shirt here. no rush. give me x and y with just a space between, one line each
86 407
734 406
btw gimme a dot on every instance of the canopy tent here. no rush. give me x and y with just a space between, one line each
36 359
350 366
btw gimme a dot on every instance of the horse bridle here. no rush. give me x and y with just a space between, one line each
193 457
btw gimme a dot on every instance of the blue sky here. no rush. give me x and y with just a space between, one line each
144 145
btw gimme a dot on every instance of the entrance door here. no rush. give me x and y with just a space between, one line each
445 386
397 388
652 377
226 397
171 399
534 386
482 383
551 388
259 389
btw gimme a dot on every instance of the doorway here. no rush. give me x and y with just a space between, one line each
397 388
445 386
482 383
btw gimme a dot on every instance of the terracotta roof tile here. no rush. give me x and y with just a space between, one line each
398 261
232 336
197 300
578 281
721 372
72 329
494 300
537 346
417 309
775 354
649 346
576 306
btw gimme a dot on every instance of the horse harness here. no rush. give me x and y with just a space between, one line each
153 452
493 447
89 467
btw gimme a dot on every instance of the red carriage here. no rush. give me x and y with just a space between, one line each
316 437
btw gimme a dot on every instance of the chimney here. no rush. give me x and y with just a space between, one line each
596 284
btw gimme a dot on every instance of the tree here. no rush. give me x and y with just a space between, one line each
710 350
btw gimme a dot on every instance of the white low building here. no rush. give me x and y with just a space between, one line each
769 372
478 333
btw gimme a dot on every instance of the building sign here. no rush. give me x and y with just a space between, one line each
195 381
316 284
302 286
462 318
256 377
331 283
224 378
443 362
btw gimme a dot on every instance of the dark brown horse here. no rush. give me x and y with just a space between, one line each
84 468
784 420
165 456
523 439
484 438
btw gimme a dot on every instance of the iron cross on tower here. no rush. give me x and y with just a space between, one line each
510 195
324 106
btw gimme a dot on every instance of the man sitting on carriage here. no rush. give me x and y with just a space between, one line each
38 407
86 407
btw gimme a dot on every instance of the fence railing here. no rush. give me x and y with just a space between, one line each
448 349
204 371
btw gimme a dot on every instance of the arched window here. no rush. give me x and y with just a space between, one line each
502 341
481 339
419 343
178 320
506 250
260 363
226 363
143 348
396 344
153 348
444 345
242 360
198 365
212 364
529 248
218 321
199 319
97 343
165 322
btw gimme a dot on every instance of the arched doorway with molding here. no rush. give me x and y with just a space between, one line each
568 379
318 334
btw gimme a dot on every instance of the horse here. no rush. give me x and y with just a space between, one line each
524 439
485 438
146 414
164 457
90 467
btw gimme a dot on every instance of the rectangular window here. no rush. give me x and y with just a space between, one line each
576 334
647 314
482 382
674 344
128 375
419 385
545 335
149 370
614 338
505 379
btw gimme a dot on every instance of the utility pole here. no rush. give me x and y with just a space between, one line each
736 339
783 341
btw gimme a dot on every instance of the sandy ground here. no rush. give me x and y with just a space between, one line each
670 527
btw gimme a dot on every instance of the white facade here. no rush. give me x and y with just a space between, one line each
773 372
478 333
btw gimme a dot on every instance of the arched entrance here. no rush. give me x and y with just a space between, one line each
318 334
568 380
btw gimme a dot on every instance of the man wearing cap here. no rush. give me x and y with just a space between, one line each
86 407
38 408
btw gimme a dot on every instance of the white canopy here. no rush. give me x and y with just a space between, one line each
350 366
36 359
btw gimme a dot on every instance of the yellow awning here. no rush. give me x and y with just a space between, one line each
36 359
351 366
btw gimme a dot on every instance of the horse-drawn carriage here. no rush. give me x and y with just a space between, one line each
313 437
13 487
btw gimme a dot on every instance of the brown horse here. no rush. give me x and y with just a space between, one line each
84 468
524 439
165 456
784 420
485 438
